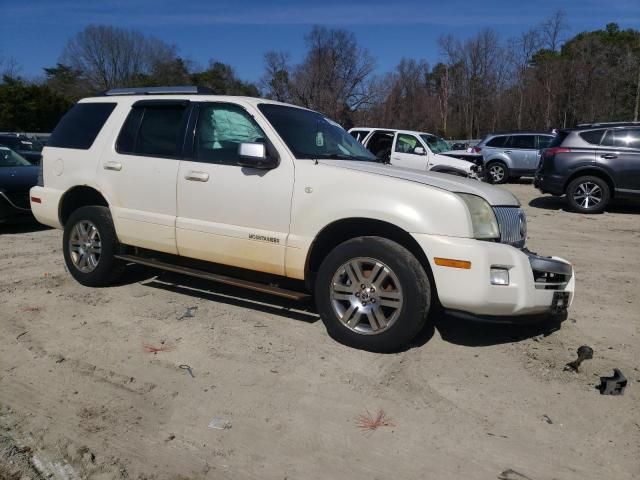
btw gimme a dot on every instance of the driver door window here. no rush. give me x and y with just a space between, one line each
404 152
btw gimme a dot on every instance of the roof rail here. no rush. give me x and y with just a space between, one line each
181 90
607 124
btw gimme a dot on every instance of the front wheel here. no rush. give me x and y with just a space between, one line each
372 294
588 194
89 245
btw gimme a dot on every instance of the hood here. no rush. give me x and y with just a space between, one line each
496 196
445 160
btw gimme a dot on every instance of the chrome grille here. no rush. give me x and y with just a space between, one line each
513 225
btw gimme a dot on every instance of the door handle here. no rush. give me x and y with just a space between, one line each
507 151
608 156
197 176
117 166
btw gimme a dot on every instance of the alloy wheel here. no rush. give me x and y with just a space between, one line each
366 296
497 173
85 246
587 195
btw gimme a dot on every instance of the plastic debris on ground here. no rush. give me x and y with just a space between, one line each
220 423
614 385
188 313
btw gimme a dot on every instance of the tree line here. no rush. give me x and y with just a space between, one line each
539 80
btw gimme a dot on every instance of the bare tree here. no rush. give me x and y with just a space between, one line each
276 79
520 54
334 76
552 28
109 56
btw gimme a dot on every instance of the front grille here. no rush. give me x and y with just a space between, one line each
513 225
550 280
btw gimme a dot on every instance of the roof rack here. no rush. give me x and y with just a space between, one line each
607 124
181 90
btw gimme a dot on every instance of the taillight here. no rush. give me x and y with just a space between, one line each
476 149
550 152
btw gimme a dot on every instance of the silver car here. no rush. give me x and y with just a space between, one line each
510 155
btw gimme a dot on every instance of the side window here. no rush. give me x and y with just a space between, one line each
153 130
221 129
626 138
497 142
406 143
544 141
80 126
359 135
522 142
593 137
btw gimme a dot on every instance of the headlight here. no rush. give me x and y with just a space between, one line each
483 220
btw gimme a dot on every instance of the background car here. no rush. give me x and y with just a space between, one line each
415 150
592 164
509 155
17 176
28 148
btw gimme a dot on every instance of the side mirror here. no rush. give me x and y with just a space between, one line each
419 151
254 155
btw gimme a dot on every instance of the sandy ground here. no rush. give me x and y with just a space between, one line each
81 398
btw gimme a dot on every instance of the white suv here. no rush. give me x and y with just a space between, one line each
415 150
281 199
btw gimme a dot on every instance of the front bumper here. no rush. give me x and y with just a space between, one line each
534 281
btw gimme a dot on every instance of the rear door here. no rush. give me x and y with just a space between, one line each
522 151
404 152
139 174
620 152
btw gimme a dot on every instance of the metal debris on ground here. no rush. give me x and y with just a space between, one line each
188 313
368 422
162 348
188 369
614 385
220 423
547 419
511 474
584 353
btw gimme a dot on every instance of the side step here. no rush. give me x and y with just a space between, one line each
214 277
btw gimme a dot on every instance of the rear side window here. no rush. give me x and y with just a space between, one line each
593 137
544 141
80 126
153 130
497 142
624 137
522 141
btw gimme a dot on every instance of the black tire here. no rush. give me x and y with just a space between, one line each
414 286
495 179
580 202
107 268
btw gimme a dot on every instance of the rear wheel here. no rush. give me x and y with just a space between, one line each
588 194
89 245
497 172
372 294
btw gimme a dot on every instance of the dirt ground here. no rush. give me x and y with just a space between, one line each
80 397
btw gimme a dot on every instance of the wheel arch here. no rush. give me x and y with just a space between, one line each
591 171
76 197
345 229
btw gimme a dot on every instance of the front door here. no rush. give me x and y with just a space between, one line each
138 176
404 152
522 151
620 152
227 213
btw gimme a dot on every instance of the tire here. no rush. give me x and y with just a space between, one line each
588 194
497 172
389 311
92 228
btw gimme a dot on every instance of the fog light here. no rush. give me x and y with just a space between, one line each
499 276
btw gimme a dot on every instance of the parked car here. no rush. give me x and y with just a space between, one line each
459 146
415 150
28 148
592 164
17 176
510 155
280 199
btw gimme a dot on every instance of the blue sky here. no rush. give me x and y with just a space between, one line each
240 31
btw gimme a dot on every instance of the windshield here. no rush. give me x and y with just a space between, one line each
436 144
311 135
9 158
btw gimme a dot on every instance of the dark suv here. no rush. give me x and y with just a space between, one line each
591 164
29 148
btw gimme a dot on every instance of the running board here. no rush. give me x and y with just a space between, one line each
214 277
